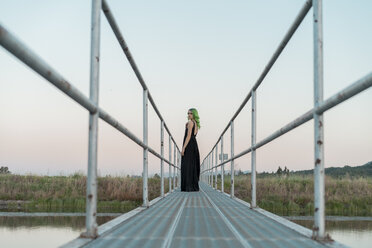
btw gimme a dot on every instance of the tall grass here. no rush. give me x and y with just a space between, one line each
67 193
290 195
293 194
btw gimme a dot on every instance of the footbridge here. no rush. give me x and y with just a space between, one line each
210 217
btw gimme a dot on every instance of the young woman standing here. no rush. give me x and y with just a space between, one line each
190 161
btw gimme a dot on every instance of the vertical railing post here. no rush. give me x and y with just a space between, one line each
174 167
91 192
204 170
170 166
319 222
162 160
203 179
212 177
232 161
253 155
145 150
177 179
209 169
179 170
215 181
222 166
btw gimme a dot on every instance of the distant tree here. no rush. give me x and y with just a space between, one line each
279 171
4 170
286 171
156 175
340 172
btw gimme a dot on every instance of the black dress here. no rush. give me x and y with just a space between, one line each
190 164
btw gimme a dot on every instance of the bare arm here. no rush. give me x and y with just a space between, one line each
188 137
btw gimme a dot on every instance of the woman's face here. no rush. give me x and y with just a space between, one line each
189 114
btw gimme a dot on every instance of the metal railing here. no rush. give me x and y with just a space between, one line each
27 56
209 166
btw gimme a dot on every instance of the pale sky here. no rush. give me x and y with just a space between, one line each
202 54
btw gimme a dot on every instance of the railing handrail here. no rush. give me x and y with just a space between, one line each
348 92
27 56
209 166
301 15
115 28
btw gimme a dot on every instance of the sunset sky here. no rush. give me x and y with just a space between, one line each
201 54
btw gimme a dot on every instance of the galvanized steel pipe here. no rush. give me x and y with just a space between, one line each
319 201
162 160
91 194
232 160
145 151
222 167
253 156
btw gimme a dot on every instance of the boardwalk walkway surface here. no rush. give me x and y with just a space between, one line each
207 218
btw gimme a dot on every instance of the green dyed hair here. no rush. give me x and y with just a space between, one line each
196 116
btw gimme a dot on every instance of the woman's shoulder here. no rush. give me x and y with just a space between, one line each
189 122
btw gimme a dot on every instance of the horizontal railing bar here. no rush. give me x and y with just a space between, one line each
350 91
299 18
27 56
115 28
113 122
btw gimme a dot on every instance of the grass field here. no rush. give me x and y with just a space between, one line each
293 194
67 193
290 195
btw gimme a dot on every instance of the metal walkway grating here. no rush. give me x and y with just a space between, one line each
201 219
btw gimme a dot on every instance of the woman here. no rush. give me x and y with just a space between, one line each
190 161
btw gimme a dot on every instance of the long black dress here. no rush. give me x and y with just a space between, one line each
190 164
